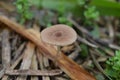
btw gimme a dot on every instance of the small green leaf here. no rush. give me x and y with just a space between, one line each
81 2
91 13
19 7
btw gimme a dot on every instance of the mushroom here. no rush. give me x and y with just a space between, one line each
59 35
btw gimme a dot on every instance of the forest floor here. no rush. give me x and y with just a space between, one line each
21 58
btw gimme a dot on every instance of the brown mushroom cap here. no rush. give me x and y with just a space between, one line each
59 34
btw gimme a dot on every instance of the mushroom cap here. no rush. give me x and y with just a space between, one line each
59 34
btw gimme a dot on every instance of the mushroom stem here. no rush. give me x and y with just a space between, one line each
58 50
57 55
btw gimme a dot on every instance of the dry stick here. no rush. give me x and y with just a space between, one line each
68 48
6 53
66 64
110 29
40 60
86 42
114 46
2 70
34 66
74 54
46 64
14 65
33 72
43 62
18 52
111 53
28 53
15 42
7 6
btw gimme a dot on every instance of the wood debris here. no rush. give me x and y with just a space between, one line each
72 69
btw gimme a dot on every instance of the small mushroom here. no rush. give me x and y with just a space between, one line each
59 35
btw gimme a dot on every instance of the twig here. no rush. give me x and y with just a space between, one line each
33 72
2 70
7 6
109 52
86 42
46 64
14 42
74 54
34 66
18 52
14 65
114 46
41 63
6 51
28 53
110 28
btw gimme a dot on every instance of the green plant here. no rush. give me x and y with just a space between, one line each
81 2
23 9
91 14
88 10
84 52
75 7
63 20
113 66
107 7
